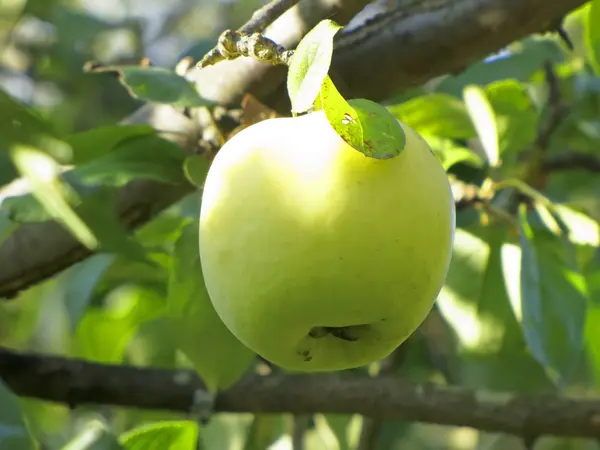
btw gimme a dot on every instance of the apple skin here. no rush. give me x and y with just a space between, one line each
317 257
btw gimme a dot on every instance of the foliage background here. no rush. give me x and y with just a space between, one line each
520 315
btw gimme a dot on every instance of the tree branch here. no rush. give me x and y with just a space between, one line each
420 40
76 382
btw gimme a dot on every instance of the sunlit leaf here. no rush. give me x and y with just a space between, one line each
436 115
484 120
43 174
592 35
94 436
310 64
167 435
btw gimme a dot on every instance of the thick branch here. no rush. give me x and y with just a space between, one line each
421 40
77 382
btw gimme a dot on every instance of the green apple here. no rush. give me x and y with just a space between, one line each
315 256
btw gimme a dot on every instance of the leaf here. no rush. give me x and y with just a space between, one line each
592 330
167 435
265 430
14 431
592 35
516 116
196 168
449 153
20 124
484 120
143 157
310 64
6 226
43 173
553 299
435 114
80 283
94 436
524 60
157 85
365 125
91 144
103 334
215 353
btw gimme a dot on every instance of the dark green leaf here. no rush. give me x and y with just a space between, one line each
80 282
157 85
92 144
22 125
167 435
215 353
435 115
310 64
143 157
14 431
592 35
553 299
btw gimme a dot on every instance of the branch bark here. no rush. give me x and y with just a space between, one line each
76 382
421 40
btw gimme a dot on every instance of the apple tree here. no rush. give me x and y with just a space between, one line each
185 187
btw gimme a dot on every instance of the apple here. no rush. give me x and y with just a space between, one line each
315 256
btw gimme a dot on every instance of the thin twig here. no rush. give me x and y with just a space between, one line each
248 40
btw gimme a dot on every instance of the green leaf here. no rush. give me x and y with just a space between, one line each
157 85
435 115
14 431
365 125
484 120
94 436
264 431
215 353
7 226
103 334
91 144
310 64
526 58
592 35
196 168
592 330
168 435
516 116
143 157
449 153
20 124
80 281
553 299
43 174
